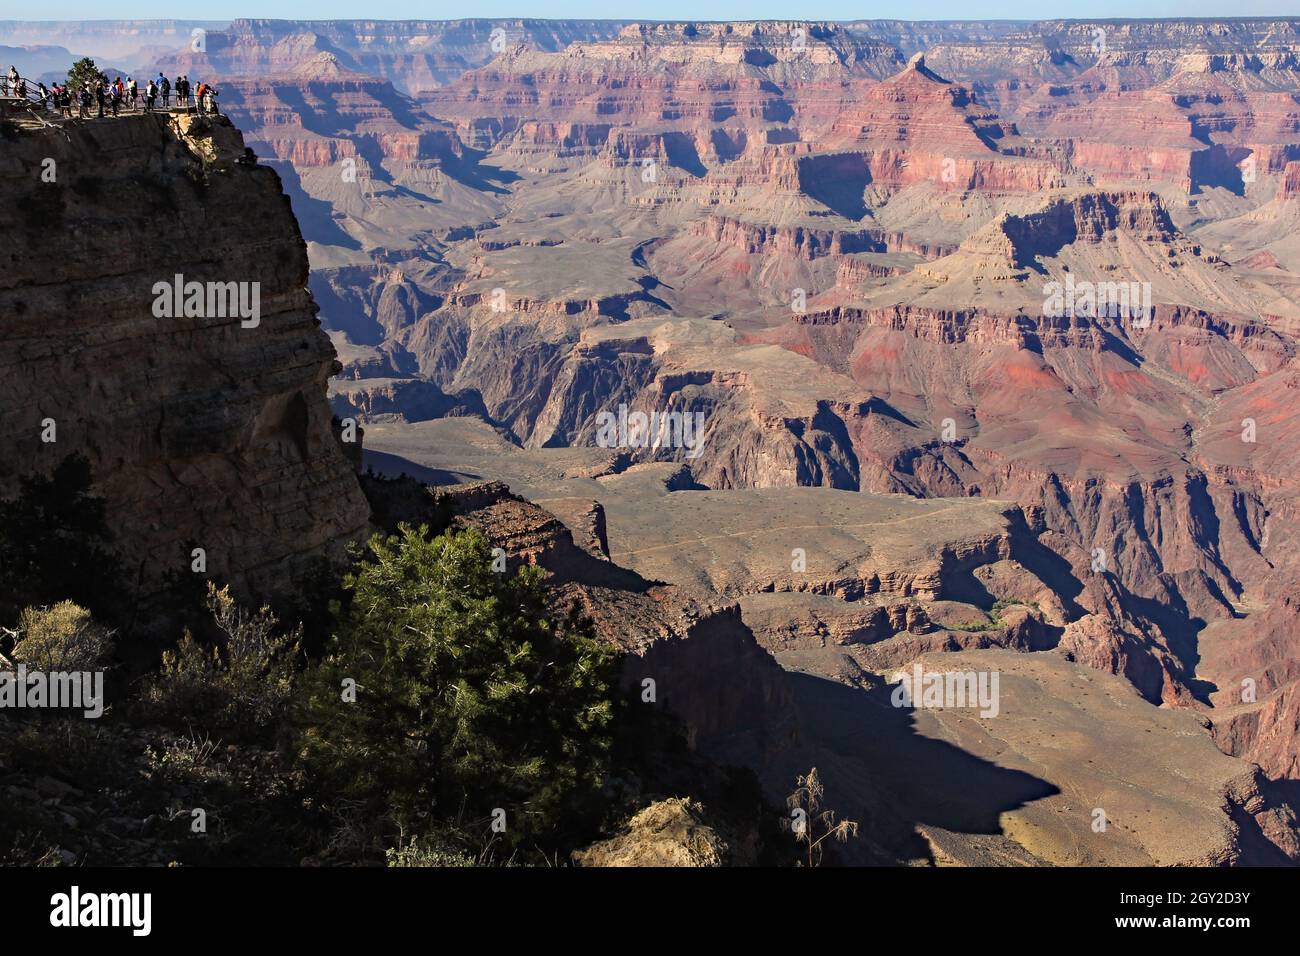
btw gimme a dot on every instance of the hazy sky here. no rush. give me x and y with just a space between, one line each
654 9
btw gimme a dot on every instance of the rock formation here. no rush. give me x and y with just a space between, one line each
206 427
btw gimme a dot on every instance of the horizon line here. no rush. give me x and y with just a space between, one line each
634 20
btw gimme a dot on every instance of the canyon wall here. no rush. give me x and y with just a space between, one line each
205 427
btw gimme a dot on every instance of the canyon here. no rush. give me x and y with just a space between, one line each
838 244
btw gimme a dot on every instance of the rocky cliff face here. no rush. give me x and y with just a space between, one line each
319 112
204 420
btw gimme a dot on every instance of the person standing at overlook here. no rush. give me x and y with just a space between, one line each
164 90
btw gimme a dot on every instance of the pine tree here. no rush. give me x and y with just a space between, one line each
84 72
468 697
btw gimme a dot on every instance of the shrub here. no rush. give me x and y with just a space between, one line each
185 761
468 697
241 685
815 823
29 850
61 638
413 854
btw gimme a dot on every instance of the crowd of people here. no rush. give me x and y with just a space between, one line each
102 96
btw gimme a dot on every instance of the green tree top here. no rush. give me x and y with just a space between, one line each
468 696
85 72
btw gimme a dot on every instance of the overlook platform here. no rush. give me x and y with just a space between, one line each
29 108
22 112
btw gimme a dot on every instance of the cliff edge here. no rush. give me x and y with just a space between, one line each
156 319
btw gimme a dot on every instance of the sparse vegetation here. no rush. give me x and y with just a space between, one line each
240 686
80 749
485 729
812 822
995 616
61 638
413 854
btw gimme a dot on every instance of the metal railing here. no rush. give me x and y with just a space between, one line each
21 89
25 95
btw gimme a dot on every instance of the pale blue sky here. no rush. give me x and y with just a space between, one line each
663 9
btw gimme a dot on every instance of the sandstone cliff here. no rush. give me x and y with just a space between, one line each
206 430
